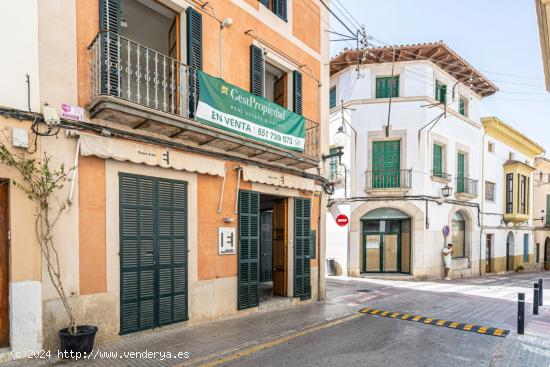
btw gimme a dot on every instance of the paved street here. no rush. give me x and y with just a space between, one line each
334 332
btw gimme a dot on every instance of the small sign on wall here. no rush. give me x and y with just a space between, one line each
226 241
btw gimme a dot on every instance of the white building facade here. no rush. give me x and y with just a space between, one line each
410 179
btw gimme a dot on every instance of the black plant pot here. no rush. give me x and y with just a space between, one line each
78 344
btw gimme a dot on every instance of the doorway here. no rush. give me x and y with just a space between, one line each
4 266
510 252
273 247
489 253
153 252
386 242
547 254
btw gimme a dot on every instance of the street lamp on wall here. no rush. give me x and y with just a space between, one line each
340 140
446 191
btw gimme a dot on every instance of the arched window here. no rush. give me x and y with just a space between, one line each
458 234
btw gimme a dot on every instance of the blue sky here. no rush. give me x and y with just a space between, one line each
498 37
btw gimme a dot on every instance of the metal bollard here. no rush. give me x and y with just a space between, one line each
536 299
521 313
540 291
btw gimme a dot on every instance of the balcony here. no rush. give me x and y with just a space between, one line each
388 182
145 90
466 188
441 177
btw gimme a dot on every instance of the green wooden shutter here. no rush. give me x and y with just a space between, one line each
438 161
440 92
256 71
462 106
109 24
386 164
137 254
387 87
332 97
249 249
153 252
302 248
297 95
280 8
460 173
194 56
172 251
548 209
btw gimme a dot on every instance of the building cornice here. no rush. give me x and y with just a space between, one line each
428 100
506 134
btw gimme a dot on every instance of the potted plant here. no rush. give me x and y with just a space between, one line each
40 183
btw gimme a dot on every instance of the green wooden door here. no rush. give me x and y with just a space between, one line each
153 252
386 164
460 173
249 249
302 248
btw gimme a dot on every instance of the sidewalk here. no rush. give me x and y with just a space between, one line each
209 341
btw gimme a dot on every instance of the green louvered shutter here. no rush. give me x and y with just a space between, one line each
137 253
194 56
386 164
297 99
280 8
438 161
109 21
302 248
460 173
548 209
172 251
256 71
249 249
153 252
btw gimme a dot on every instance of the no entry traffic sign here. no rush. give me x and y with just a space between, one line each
342 220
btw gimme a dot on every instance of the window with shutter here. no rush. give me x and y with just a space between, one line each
332 97
438 161
525 248
279 7
297 95
302 248
440 92
463 106
386 162
548 209
256 71
460 173
249 249
109 24
387 87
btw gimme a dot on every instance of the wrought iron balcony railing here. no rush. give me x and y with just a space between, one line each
389 179
466 185
130 71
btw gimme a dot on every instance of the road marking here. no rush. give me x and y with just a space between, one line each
485 330
251 350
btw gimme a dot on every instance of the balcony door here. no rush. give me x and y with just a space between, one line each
386 164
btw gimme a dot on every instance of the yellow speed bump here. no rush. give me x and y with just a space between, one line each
485 330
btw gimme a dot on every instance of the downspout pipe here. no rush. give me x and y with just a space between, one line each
482 201
321 235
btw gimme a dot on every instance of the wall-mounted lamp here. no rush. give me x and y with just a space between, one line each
340 140
446 191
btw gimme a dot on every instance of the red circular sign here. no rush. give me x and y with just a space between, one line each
342 220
